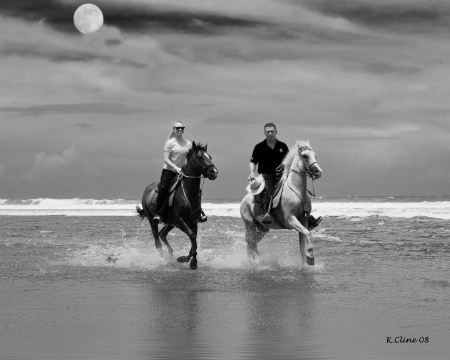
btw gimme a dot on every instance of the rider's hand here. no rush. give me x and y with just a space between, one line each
179 171
279 168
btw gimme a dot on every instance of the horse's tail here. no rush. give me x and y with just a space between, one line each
141 213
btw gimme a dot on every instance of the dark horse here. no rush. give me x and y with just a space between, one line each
186 208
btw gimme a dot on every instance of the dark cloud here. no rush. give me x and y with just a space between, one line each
127 17
159 20
165 19
94 108
400 16
53 12
113 42
381 68
58 55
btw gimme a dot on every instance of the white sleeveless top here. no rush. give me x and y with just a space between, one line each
177 153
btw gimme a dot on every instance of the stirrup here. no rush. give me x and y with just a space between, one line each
267 219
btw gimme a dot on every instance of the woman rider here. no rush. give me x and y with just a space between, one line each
176 149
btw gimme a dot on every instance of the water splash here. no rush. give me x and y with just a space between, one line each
346 208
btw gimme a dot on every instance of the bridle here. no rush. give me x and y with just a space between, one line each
308 172
205 169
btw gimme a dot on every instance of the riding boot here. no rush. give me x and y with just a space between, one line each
267 218
159 204
312 222
203 217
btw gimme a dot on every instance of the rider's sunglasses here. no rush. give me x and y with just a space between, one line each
179 127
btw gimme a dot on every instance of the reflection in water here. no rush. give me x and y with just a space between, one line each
279 303
186 302
213 345
173 310
229 300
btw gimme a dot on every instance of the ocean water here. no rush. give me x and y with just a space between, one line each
80 278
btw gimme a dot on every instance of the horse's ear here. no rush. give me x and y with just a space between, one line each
194 145
206 147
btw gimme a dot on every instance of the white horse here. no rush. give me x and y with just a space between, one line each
293 208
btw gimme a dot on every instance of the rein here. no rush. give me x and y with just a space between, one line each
201 176
308 175
192 177
313 193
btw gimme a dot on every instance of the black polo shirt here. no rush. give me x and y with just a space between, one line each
269 159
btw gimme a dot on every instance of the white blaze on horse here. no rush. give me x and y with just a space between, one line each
183 204
291 205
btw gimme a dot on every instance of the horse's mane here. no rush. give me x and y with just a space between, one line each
289 158
199 146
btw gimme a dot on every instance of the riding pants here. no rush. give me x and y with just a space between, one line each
163 188
271 180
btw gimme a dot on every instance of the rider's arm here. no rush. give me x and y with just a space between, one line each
254 161
252 171
170 163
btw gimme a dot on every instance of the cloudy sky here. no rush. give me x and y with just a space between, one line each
367 82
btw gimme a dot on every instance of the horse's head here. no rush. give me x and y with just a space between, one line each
202 161
309 160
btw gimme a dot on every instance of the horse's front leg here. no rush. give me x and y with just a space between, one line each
193 252
304 234
192 233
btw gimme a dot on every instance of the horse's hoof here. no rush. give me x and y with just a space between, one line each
309 260
193 265
183 259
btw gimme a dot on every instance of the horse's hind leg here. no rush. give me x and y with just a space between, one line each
154 226
253 235
163 235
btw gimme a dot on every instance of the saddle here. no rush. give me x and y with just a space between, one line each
168 203
276 195
173 186
275 202
277 192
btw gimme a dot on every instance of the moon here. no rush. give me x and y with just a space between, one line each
88 18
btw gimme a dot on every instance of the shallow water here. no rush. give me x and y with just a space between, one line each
375 277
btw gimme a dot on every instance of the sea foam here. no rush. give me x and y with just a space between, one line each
324 208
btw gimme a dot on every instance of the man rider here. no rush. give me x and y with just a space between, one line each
268 156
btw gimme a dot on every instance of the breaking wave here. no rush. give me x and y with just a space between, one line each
336 207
